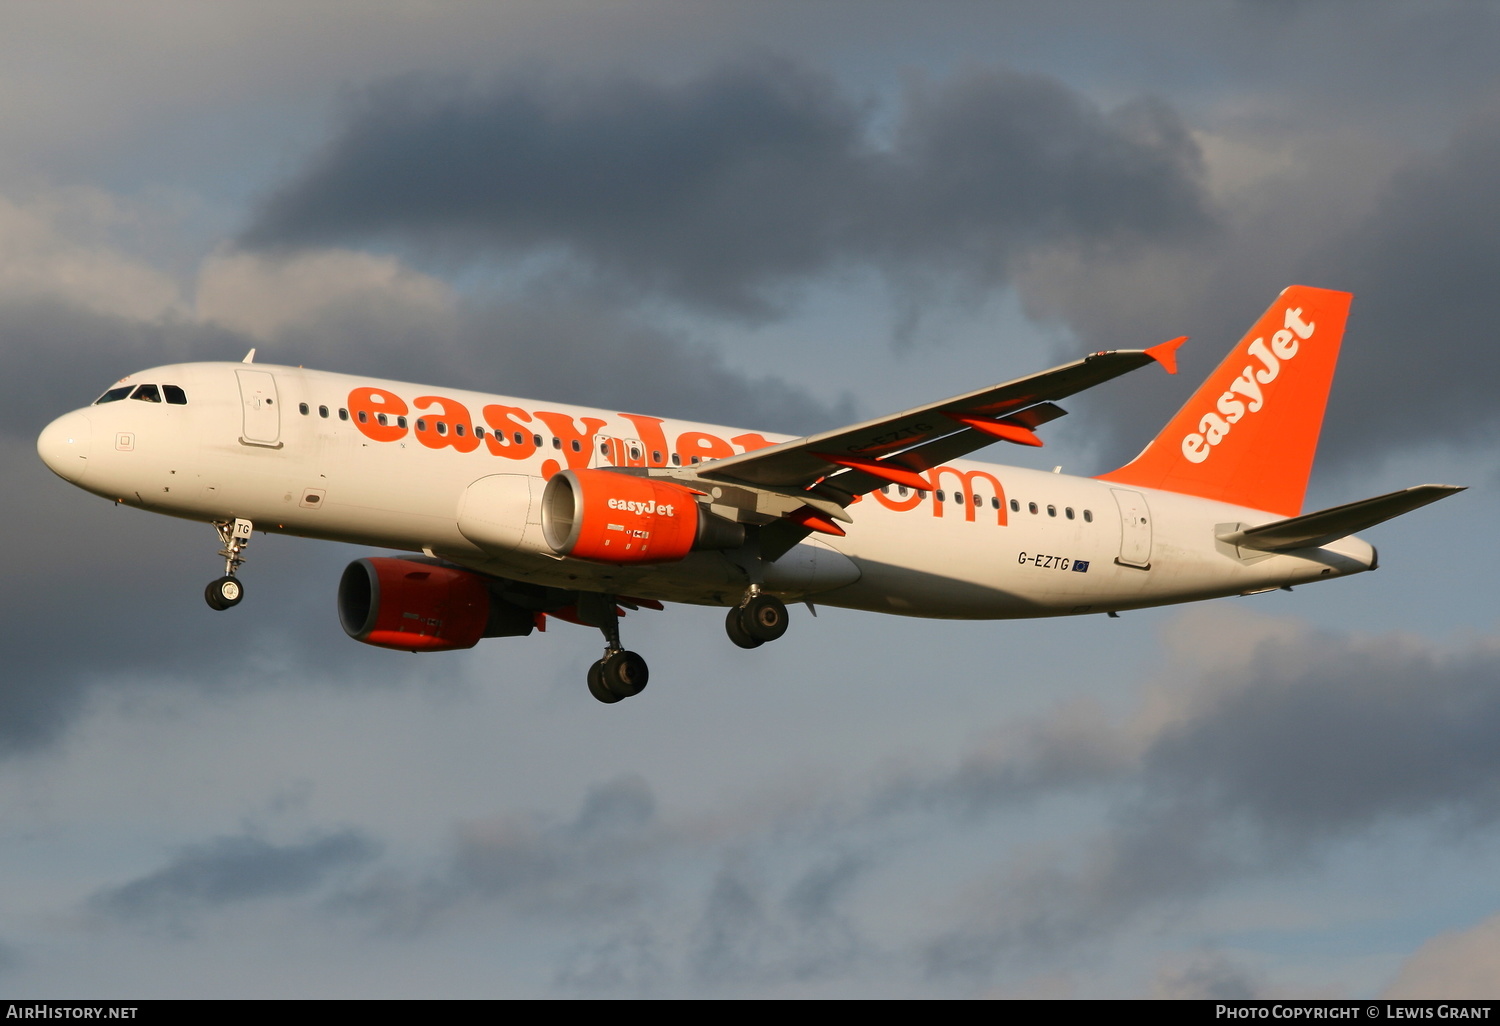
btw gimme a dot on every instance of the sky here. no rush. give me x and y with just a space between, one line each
781 216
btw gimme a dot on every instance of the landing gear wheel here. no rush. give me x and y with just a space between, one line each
624 673
225 593
596 685
734 626
764 617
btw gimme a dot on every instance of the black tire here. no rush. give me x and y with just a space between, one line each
765 617
734 626
596 685
625 674
225 593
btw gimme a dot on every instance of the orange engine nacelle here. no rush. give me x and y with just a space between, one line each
417 607
610 517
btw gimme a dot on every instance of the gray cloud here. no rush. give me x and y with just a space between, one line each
574 350
723 191
229 870
1258 764
1427 312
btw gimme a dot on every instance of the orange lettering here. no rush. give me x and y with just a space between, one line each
703 445
966 477
451 427
899 505
505 430
750 442
577 445
367 405
649 428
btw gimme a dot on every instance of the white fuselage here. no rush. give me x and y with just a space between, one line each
283 447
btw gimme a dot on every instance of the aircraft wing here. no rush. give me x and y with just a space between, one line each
788 485
863 457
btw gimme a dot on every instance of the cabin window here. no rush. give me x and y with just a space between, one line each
655 455
1015 505
303 409
603 448
902 491
1068 512
577 445
979 501
556 442
401 422
343 413
458 429
677 459
478 430
381 419
175 395
940 496
147 394
697 460
442 427
1052 511
1088 516
995 503
421 423
1032 506
323 412
958 497
364 417
536 440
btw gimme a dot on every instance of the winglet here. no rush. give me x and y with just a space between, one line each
249 357
1166 353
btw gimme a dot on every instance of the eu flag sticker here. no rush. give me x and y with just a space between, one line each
1081 565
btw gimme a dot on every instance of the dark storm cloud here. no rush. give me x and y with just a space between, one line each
59 356
723 190
229 870
1423 268
1414 235
570 350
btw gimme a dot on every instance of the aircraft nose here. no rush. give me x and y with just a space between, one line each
64 446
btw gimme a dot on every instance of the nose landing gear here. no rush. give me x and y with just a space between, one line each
227 591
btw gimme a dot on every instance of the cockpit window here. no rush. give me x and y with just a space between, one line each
114 395
175 395
147 394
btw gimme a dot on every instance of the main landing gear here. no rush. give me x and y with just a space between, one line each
227 591
620 674
758 618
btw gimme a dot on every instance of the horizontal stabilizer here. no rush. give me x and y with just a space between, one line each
1313 529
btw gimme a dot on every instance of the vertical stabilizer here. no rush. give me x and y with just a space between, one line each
1248 435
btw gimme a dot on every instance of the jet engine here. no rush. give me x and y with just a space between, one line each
610 517
423 607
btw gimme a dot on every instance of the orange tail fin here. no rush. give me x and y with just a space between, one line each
1248 435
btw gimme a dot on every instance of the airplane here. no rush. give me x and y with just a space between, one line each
519 512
